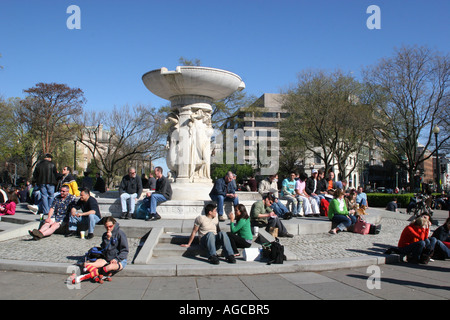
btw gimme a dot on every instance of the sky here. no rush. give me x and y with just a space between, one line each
266 42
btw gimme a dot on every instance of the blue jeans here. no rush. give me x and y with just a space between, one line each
443 249
152 202
47 196
279 208
213 242
91 220
343 221
415 249
124 197
220 201
293 202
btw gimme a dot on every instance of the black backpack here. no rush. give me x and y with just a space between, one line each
274 252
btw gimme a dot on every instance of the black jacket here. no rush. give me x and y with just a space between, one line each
309 186
442 233
131 185
163 187
45 173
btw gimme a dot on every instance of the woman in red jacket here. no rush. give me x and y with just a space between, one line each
414 241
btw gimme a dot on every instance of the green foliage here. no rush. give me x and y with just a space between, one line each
380 200
240 170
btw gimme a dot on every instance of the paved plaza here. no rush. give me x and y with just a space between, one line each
325 267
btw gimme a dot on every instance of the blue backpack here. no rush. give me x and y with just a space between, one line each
93 254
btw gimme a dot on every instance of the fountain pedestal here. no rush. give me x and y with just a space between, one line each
191 91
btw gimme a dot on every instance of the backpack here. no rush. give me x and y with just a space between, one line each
93 254
274 252
141 211
324 204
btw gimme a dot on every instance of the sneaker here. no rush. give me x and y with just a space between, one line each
222 218
214 259
156 216
89 236
31 234
37 234
33 208
231 259
288 215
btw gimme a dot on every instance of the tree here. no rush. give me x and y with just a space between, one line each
18 144
412 93
329 118
48 111
117 137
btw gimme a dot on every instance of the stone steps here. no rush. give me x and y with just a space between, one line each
109 204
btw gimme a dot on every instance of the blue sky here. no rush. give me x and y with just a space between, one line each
266 42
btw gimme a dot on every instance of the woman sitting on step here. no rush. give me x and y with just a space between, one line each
339 214
241 232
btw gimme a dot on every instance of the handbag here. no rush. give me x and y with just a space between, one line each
361 227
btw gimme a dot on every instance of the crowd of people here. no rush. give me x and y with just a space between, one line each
70 209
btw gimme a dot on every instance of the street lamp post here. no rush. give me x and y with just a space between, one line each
438 166
74 155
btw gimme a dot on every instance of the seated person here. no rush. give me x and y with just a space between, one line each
162 193
90 214
312 187
130 190
339 214
414 242
9 207
270 186
309 204
69 180
361 197
115 252
57 215
210 236
442 234
262 215
100 184
241 233
288 193
350 201
224 190
392 206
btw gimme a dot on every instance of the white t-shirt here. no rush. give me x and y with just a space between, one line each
205 224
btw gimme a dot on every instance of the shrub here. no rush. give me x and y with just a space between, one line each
380 200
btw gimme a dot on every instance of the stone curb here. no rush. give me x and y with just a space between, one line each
241 268
181 266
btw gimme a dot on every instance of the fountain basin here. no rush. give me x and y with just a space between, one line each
213 83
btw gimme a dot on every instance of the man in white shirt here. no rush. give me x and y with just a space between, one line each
210 237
